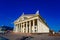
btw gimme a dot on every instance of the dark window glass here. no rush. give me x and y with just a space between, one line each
31 22
35 22
35 30
22 25
28 26
35 27
18 25
25 24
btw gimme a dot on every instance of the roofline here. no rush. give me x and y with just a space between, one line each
43 20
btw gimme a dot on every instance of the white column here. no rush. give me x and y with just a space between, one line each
29 26
38 25
16 28
21 27
26 27
33 26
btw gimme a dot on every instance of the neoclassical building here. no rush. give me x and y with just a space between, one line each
31 23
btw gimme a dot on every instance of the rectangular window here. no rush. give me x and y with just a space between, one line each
35 27
22 25
25 27
31 22
25 24
18 25
35 22
28 26
35 30
28 23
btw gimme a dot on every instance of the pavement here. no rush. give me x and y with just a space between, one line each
23 36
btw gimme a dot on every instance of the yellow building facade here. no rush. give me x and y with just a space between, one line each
30 23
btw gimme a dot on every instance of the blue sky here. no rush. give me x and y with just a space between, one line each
10 10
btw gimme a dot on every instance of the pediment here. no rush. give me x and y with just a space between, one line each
26 16
20 18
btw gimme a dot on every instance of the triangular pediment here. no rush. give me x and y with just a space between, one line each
26 16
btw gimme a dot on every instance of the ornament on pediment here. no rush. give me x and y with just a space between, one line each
37 13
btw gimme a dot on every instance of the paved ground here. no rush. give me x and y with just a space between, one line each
21 36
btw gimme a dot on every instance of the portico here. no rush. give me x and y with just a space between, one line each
27 27
31 24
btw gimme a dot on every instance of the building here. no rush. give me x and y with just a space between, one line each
30 23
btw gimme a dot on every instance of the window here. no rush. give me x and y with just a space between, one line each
22 25
25 27
35 22
35 27
31 22
28 23
25 24
35 30
28 26
18 25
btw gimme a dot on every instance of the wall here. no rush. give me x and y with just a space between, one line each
42 28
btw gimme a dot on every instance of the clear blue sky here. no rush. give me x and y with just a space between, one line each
10 10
